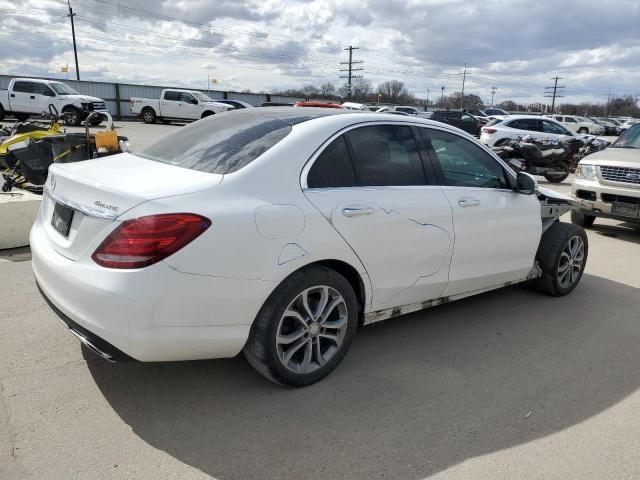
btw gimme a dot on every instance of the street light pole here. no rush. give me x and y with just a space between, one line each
441 96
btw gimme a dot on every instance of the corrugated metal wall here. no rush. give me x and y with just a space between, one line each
111 92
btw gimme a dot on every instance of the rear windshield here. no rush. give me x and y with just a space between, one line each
222 143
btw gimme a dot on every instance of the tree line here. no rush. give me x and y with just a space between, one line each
396 92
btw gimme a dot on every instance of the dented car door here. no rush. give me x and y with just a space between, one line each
373 186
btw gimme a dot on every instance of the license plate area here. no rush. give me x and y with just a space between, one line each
62 218
625 209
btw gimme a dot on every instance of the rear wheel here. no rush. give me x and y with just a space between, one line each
304 329
562 256
148 115
557 173
582 219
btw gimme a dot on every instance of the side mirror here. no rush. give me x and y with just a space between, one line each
193 101
527 184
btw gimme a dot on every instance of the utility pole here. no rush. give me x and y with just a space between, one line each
552 92
427 102
73 33
464 77
493 94
350 69
441 96
606 114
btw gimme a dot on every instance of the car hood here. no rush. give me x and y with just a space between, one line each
81 98
623 157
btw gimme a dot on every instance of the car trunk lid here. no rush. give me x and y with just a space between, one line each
83 199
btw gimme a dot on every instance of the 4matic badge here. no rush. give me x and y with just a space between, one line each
106 206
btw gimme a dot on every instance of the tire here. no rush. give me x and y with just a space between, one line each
21 117
583 130
148 115
207 114
564 247
72 116
269 356
2 113
558 178
582 219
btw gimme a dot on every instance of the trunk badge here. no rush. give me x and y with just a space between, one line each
52 182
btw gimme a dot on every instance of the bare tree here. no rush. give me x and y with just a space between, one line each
328 90
393 91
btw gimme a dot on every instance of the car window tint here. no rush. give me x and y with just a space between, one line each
333 167
524 124
185 97
25 87
551 127
464 164
41 89
386 155
570 120
219 143
173 96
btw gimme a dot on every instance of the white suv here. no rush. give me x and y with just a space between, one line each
279 232
515 126
607 183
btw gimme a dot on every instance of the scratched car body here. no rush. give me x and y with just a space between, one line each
279 231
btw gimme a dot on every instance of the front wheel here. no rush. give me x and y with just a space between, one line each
557 173
583 130
72 117
562 257
304 329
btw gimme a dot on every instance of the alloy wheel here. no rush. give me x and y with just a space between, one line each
312 329
571 262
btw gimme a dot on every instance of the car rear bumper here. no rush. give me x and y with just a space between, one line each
594 198
152 314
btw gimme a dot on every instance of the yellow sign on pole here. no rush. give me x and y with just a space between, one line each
65 69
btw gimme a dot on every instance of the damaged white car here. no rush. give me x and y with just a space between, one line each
280 231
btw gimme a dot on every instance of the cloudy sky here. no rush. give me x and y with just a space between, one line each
514 45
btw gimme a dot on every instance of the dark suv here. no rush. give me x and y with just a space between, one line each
462 120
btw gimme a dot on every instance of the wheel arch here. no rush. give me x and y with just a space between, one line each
207 113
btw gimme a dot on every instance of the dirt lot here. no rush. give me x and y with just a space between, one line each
506 385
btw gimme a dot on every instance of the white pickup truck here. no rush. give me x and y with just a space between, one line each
177 105
29 96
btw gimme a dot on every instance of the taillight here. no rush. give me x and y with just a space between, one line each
144 241
488 130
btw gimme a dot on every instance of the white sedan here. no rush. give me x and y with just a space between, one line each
278 232
515 126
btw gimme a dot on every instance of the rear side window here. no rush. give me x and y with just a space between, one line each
220 143
524 124
25 87
386 155
173 96
464 164
333 167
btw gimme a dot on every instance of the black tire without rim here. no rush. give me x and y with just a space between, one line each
261 348
582 219
552 255
148 115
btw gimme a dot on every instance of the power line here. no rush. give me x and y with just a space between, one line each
554 95
350 68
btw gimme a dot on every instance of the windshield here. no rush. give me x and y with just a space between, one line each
202 97
629 139
62 89
220 143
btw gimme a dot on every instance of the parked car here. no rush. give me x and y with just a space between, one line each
628 124
492 112
461 120
177 105
407 110
32 96
235 104
318 104
479 114
610 128
594 128
578 125
516 126
607 183
152 256
354 106
276 104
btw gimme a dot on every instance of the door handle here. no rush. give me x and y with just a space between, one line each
357 211
32 97
468 202
13 95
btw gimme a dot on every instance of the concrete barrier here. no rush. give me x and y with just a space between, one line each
18 210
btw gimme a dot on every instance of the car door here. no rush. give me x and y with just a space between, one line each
497 230
21 98
372 185
190 109
42 97
170 104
